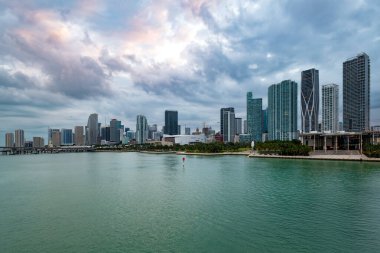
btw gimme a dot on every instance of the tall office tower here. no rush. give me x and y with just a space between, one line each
105 133
187 131
50 134
92 130
282 111
330 103
265 121
245 127
141 129
228 128
254 117
356 93
309 100
56 139
222 111
19 138
9 140
115 126
238 124
66 137
79 136
38 142
171 123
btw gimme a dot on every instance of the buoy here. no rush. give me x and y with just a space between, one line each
183 159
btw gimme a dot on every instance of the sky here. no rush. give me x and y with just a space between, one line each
60 61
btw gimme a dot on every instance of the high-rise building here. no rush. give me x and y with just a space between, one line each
105 133
92 132
141 129
115 126
152 129
330 103
245 127
356 93
282 111
228 128
265 121
9 140
187 131
19 138
254 117
309 100
238 125
171 123
38 142
66 137
79 136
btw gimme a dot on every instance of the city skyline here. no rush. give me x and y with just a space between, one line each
61 62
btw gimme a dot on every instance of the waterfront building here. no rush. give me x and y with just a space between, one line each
28 144
19 138
141 129
187 131
309 100
245 127
9 140
55 138
254 117
238 124
115 126
245 138
185 139
66 137
79 136
282 111
227 124
92 131
38 142
152 129
330 103
105 133
356 93
171 123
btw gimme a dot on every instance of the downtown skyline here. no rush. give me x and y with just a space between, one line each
60 63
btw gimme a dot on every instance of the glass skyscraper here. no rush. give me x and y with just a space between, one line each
356 93
254 117
282 111
228 124
141 129
171 123
309 100
92 131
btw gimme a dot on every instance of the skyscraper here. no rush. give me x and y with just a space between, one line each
309 100
330 99
228 128
79 136
282 111
356 93
19 138
254 117
227 124
141 129
92 130
9 140
38 142
238 125
171 123
66 137
115 126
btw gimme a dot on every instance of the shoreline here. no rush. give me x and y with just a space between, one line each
355 158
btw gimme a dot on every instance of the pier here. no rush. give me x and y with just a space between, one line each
44 150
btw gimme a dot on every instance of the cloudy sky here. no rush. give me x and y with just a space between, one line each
63 60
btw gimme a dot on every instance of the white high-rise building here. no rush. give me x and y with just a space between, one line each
142 129
330 108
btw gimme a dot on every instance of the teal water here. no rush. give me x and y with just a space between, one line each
131 202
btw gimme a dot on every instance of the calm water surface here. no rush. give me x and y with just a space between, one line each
128 202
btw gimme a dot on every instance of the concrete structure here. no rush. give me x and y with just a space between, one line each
9 140
19 138
356 94
282 111
66 137
309 100
38 142
228 127
79 136
254 117
330 110
238 124
92 132
141 129
171 123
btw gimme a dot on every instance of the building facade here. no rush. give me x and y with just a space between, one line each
9 140
309 100
282 111
227 124
92 131
254 117
330 108
141 129
19 138
238 125
79 135
66 137
115 126
356 93
171 123
38 142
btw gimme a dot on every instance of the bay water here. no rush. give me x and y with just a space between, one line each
135 202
